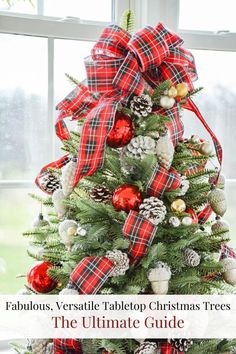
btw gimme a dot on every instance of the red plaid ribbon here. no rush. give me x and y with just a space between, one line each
121 65
140 233
58 164
67 346
227 252
163 180
204 214
90 274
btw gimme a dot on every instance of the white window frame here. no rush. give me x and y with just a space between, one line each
53 28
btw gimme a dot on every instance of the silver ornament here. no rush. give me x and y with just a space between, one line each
221 226
229 270
40 222
174 221
192 258
187 221
165 151
206 148
167 102
153 209
217 200
67 177
58 198
64 228
120 261
159 278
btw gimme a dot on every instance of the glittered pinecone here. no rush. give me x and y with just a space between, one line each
141 105
217 200
67 177
165 151
139 147
120 261
38 346
50 182
147 348
100 194
192 258
182 345
153 209
184 186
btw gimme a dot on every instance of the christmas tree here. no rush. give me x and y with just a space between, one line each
133 198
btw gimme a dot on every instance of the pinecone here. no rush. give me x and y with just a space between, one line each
38 346
141 105
165 151
192 259
50 348
120 260
153 209
147 348
182 345
50 182
67 177
100 194
139 147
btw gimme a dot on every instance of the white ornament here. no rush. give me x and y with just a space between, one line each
174 221
64 228
187 221
68 291
167 102
195 139
67 177
165 151
229 271
58 197
159 278
206 148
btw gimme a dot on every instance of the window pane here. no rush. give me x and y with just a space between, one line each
25 7
217 102
17 213
207 15
25 145
93 10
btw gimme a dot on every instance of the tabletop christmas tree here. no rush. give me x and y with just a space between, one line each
136 209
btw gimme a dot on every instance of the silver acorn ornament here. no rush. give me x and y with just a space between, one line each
165 151
222 227
159 278
67 177
67 230
229 270
217 200
40 221
192 258
58 202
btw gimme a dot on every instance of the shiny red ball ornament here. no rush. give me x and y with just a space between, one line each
126 197
122 131
166 348
38 278
193 215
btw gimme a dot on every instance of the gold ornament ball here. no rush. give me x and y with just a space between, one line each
206 148
178 206
71 231
172 92
182 90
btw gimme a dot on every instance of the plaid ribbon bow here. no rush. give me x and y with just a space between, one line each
67 346
227 252
121 65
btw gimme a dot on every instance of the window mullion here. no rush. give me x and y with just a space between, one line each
40 7
51 132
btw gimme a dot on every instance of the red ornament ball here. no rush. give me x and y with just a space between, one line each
193 215
122 131
166 348
38 278
126 197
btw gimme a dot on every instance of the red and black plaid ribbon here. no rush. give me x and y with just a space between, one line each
140 233
204 214
67 346
90 274
58 164
227 252
163 180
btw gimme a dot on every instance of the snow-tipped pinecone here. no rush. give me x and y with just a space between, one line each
141 105
147 348
50 348
139 147
67 177
165 151
50 182
100 194
182 345
192 258
153 209
38 346
184 186
120 261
